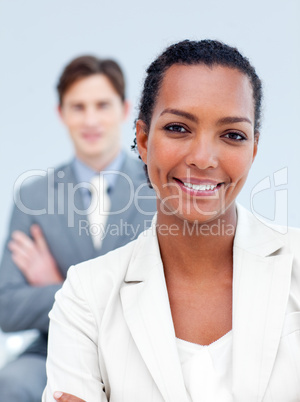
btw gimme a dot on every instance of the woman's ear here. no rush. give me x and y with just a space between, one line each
142 139
255 145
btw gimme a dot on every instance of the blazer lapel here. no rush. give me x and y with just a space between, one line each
261 288
148 316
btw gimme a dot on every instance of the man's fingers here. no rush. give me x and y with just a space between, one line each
22 240
19 251
38 237
21 263
62 397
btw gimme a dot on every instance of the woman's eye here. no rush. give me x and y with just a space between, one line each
235 136
177 128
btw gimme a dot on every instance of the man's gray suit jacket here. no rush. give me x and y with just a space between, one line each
55 203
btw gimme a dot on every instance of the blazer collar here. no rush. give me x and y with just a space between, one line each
261 286
251 235
254 236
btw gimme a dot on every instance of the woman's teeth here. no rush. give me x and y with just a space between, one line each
200 187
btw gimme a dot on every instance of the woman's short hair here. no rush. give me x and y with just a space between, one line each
85 66
207 52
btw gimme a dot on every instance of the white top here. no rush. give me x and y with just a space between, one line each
207 370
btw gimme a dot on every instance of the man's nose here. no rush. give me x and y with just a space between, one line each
91 117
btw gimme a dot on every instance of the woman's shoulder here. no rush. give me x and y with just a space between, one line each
100 279
263 238
93 285
107 270
292 238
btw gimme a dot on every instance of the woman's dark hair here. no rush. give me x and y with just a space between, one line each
206 52
85 66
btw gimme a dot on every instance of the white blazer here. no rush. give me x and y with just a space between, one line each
112 336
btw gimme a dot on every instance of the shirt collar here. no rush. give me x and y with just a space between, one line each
84 173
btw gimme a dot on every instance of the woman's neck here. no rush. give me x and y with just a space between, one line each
196 250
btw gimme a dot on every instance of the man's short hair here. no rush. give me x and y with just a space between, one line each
85 66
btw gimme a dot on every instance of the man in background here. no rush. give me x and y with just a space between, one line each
54 221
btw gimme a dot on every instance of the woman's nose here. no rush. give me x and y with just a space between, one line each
202 153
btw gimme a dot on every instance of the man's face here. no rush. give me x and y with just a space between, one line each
93 113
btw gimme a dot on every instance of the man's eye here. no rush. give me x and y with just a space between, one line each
103 105
176 128
77 107
235 136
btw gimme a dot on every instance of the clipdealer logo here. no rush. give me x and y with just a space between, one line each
62 199
61 195
280 203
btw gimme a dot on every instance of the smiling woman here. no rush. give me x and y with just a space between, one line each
206 304
204 118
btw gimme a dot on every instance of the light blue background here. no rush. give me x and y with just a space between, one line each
37 38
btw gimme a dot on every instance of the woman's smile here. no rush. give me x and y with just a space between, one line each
198 188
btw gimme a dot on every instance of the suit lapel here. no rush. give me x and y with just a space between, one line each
261 288
123 208
74 222
147 313
119 197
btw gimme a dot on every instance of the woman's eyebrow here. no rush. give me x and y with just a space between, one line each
233 119
192 117
181 113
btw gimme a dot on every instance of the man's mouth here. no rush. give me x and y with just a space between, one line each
90 135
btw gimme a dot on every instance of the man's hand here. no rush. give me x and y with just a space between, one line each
33 258
62 397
